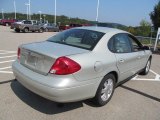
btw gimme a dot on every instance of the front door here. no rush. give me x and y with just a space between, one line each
126 59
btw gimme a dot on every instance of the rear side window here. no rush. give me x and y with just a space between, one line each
81 38
120 44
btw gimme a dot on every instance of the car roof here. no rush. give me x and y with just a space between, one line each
102 29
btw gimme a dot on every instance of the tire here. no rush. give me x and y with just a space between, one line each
6 24
26 30
41 30
105 90
46 30
17 30
147 68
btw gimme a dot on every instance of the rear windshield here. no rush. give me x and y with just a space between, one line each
86 39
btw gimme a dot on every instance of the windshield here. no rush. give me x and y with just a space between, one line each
86 39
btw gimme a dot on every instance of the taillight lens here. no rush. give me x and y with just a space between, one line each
18 53
64 66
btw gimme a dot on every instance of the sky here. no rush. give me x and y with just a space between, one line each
126 12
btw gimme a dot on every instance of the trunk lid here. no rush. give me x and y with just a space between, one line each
40 56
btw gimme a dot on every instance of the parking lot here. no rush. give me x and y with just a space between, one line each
137 99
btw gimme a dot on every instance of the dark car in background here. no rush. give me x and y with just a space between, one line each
50 27
65 27
7 22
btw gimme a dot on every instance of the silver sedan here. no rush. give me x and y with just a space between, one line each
81 63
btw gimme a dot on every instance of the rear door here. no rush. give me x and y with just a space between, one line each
126 59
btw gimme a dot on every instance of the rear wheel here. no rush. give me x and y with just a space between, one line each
105 90
147 68
26 30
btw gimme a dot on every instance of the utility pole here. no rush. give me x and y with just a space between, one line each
55 10
97 11
14 3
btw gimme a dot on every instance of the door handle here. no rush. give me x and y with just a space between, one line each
121 60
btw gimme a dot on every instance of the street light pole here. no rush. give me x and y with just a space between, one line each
55 12
27 10
44 18
97 11
2 14
14 9
40 15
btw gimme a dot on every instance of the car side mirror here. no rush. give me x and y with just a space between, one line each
145 48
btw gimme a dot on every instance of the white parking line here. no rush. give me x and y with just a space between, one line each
8 56
157 77
5 68
7 61
154 72
6 72
7 51
143 79
12 54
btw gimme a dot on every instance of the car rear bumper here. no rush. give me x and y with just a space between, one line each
58 89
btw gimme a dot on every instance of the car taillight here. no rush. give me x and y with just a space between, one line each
18 53
64 66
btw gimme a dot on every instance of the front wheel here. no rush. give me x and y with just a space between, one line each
41 30
105 90
147 68
6 24
17 30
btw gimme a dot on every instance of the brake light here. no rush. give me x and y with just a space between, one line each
64 66
18 53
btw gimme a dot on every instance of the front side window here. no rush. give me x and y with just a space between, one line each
119 44
81 38
136 45
27 22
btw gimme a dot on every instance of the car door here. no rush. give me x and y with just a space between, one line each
141 55
35 26
126 59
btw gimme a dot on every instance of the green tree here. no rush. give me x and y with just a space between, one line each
145 28
155 16
132 30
